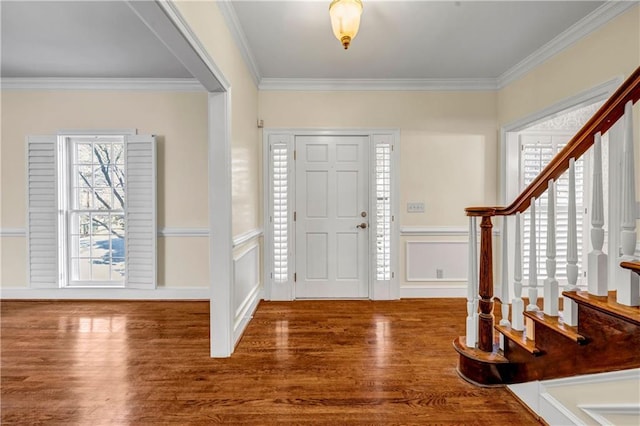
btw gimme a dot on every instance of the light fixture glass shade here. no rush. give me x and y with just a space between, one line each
345 19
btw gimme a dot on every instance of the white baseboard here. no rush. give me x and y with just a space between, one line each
433 290
161 293
245 313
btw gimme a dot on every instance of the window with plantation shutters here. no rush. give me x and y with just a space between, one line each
280 158
383 211
536 152
101 205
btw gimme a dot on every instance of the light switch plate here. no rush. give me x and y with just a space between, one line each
415 207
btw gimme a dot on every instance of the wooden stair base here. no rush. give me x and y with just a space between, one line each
479 367
606 338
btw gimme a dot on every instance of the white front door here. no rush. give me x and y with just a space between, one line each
332 217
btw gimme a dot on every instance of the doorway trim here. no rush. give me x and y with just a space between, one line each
285 137
167 23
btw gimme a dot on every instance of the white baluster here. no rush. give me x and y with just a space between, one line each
533 261
597 262
504 293
551 284
472 287
570 311
517 304
629 287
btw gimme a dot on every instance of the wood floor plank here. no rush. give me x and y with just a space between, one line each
303 362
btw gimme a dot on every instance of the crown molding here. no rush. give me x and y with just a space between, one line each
571 35
230 17
379 84
63 83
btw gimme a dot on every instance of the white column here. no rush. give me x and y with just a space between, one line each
533 260
551 284
504 291
597 262
472 287
517 304
629 287
570 311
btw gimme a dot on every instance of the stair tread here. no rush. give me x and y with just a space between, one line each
519 338
606 304
494 357
556 323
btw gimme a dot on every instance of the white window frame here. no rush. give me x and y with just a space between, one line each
378 289
66 144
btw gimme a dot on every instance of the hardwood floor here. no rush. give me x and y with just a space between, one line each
303 362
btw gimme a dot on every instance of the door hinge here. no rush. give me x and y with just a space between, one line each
391 147
393 218
295 216
295 277
393 275
294 155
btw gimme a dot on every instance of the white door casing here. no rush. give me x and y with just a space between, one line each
332 217
280 183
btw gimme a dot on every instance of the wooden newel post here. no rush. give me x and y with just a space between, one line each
485 303
485 322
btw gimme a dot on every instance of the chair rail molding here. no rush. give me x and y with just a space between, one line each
245 237
13 232
438 231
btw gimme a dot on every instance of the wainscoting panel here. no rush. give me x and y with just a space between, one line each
436 261
246 287
603 398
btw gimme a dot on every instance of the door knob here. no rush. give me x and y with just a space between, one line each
363 225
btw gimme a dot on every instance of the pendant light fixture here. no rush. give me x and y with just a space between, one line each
345 19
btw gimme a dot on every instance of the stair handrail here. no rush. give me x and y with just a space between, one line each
608 114
632 266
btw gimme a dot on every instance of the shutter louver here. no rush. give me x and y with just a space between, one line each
140 212
42 216
280 214
383 211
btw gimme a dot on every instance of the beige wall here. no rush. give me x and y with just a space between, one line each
611 51
180 122
448 143
207 23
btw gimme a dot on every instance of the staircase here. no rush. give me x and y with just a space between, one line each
577 332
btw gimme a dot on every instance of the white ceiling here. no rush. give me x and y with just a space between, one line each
403 39
293 39
81 39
